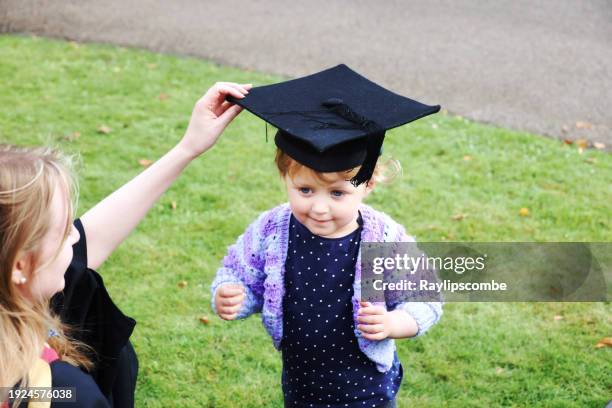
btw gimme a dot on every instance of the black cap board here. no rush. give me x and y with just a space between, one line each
333 120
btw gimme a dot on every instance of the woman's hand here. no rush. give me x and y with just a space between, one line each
228 300
376 323
211 114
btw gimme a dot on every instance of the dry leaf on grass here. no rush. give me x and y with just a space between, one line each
467 158
173 205
458 217
204 319
599 145
182 284
72 136
145 162
606 341
558 317
582 143
104 129
568 141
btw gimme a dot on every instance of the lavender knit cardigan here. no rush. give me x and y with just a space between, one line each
257 261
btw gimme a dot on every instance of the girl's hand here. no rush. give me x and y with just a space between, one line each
228 300
211 114
374 321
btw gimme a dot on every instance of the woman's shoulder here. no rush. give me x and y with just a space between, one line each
86 392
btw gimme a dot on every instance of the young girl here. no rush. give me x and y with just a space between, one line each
58 325
299 264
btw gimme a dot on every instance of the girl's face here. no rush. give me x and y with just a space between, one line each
55 253
328 209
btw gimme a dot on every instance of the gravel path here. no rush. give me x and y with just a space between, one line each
544 66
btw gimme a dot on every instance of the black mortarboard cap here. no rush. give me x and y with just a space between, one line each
333 120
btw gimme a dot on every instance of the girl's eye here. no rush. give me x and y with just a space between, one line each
337 193
304 190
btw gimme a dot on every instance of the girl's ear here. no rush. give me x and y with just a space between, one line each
370 186
18 275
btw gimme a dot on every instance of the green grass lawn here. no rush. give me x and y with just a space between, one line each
480 354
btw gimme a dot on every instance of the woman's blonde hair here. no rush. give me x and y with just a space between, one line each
384 172
28 180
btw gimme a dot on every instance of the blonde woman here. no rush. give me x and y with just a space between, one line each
58 325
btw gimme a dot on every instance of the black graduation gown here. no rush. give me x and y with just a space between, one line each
87 392
86 306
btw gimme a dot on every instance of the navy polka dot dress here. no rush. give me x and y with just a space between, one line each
322 363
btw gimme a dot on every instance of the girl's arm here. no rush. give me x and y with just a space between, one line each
109 222
238 288
399 319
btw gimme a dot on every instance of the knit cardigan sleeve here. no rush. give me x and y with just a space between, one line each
244 265
426 314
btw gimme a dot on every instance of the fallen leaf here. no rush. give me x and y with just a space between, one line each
558 317
173 205
104 129
565 128
467 158
145 162
568 141
583 125
499 370
162 96
182 284
458 217
524 212
73 136
204 319
606 341
582 143
599 145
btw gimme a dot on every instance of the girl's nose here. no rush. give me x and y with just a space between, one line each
320 207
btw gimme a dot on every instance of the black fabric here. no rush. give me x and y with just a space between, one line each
338 158
335 110
87 392
125 382
86 306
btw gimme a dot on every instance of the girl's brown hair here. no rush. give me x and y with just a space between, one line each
385 172
28 180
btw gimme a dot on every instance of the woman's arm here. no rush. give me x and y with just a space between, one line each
109 222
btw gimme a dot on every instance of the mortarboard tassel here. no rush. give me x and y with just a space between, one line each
376 136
